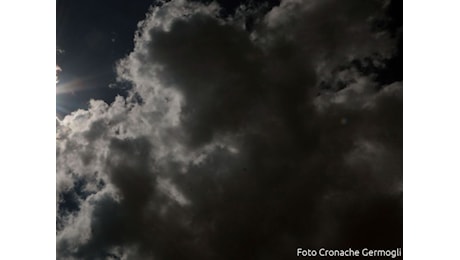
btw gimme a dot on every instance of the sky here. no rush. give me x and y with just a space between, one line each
227 130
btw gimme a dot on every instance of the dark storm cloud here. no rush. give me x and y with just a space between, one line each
229 146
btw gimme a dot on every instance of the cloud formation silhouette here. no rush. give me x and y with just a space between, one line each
237 141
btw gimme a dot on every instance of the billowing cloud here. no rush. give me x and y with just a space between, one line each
58 69
238 142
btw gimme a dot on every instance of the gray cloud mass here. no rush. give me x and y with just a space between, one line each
229 145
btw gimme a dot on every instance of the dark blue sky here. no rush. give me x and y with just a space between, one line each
93 36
